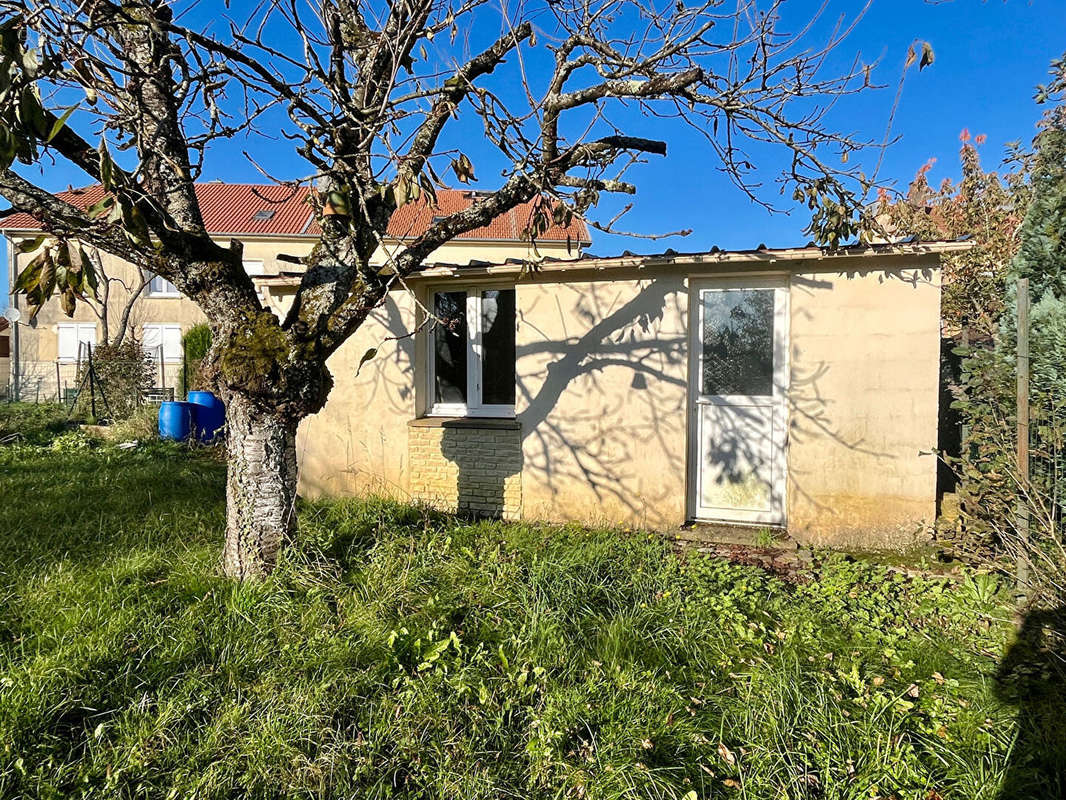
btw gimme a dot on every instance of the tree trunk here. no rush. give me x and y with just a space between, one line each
260 487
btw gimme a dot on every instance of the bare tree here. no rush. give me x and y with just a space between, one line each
370 94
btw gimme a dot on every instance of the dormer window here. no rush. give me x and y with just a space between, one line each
263 215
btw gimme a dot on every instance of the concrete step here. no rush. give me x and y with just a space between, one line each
756 536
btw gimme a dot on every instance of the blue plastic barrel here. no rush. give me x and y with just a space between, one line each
209 413
175 420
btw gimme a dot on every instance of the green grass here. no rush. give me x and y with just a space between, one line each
400 653
33 423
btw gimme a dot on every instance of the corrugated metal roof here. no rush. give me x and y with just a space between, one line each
761 259
244 209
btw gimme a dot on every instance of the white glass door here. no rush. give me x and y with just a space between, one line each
739 374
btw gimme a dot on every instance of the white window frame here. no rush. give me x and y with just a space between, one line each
163 327
165 292
259 267
79 330
473 407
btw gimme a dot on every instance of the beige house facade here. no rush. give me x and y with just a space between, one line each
783 389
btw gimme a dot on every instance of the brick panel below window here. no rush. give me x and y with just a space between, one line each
467 466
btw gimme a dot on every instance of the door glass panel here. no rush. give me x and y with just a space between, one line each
738 342
737 453
498 346
449 345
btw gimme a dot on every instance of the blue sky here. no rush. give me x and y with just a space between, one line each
989 57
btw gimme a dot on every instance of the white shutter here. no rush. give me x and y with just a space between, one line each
68 342
86 336
74 340
172 343
153 337
165 338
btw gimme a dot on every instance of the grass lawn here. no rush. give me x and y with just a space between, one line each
398 653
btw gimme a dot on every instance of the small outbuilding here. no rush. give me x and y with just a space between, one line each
788 389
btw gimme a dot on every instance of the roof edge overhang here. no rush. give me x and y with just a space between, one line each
923 255
926 254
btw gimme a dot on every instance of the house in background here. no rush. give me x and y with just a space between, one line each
270 221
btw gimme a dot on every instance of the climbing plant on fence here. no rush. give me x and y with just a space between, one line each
123 372
992 485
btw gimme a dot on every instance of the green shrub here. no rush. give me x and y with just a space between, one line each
993 488
123 372
195 344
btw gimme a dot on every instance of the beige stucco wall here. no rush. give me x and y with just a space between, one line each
602 400
602 387
865 353
358 442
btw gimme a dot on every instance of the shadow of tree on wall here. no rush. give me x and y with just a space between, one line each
809 410
485 458
586 444
602 382
366 450
1032 677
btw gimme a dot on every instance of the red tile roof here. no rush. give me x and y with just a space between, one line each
230 208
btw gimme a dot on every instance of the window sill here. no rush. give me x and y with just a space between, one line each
484 423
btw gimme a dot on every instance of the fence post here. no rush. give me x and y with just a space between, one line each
92 383
17 372
1023 435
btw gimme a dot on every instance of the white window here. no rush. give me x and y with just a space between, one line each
75 339
163 338
471 352
254 267
161 287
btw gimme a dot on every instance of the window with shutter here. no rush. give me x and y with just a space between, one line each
162 339
74 339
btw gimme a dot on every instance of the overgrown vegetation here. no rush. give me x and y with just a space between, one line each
993 485
401 653
1018 226
142 425
123 372
32 423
